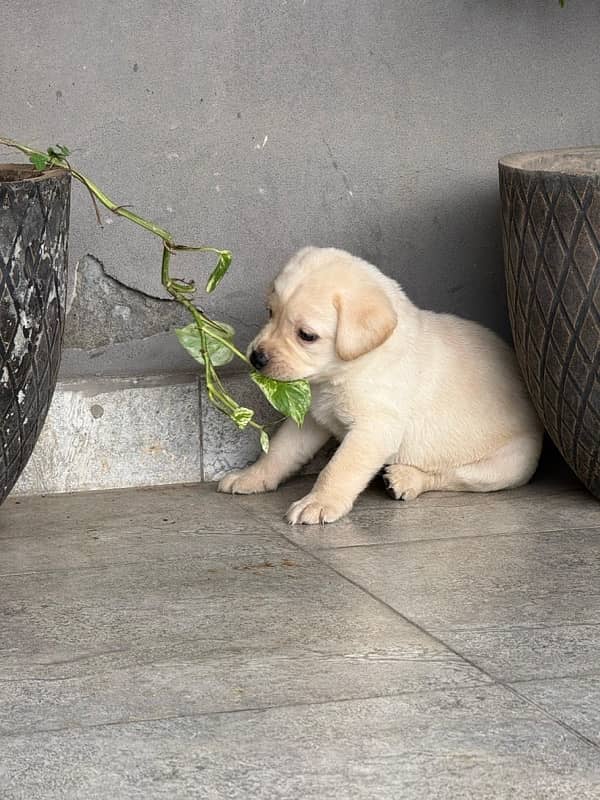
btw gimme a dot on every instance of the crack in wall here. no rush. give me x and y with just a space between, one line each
102 310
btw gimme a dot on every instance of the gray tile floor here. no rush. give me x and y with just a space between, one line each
175 643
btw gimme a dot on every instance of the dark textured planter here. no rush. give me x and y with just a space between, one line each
34 222
551 237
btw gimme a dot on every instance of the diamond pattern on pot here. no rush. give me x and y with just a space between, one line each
33 259
551 230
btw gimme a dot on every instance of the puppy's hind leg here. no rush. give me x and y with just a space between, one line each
510 466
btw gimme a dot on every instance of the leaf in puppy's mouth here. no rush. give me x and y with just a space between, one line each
292 398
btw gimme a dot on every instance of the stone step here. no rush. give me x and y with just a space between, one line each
109 433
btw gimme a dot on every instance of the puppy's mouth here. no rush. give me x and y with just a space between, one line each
269 365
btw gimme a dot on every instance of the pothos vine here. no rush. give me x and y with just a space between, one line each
208 341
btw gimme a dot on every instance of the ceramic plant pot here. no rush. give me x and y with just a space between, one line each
34 224
551 237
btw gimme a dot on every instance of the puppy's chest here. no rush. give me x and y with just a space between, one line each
328 409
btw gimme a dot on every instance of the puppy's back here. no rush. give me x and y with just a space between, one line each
477 371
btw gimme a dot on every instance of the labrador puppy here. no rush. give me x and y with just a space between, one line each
434 399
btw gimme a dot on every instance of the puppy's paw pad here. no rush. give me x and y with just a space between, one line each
313 510
402 482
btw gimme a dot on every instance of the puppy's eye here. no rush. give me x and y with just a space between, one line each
269 312
306 336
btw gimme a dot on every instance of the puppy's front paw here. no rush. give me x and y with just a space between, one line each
315 509
245 481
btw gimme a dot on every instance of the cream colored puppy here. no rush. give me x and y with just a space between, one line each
436 399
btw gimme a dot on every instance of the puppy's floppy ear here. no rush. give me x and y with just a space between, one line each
366 318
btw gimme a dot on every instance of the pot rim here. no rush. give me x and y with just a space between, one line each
30 173
576 161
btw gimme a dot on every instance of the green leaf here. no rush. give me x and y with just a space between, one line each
191 340
60 152
219 271
242 416
264 441
292 398
39 161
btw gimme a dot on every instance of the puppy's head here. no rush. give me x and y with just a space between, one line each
326 308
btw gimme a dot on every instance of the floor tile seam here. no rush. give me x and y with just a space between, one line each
464 689
475 686
464 537
406 619
492 679
595 744
268 522
259 518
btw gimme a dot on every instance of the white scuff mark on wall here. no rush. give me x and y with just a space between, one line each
173 156
259 146
170 209
217 188
261 190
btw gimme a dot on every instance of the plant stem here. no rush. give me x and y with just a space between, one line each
206 326
204 323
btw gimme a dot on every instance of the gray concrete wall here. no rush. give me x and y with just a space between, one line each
262 126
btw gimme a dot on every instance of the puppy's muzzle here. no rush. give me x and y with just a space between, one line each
259 359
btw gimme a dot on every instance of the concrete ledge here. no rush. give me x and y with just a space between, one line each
120 432
114 433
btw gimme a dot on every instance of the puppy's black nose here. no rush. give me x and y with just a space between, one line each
259 359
